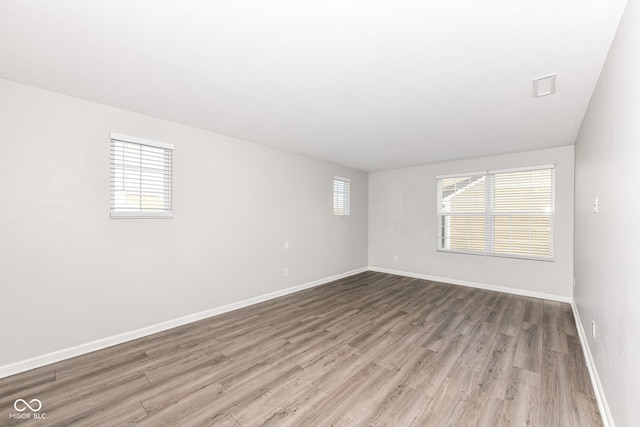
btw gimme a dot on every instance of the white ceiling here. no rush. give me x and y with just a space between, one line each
372 84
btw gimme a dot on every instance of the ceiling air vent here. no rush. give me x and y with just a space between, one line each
544 85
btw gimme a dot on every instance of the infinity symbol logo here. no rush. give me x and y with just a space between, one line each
26 405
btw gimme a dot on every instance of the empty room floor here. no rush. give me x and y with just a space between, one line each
371 349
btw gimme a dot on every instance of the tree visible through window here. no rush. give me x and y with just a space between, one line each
500 213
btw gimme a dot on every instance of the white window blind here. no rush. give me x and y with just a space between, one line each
341 196
500 213
141 178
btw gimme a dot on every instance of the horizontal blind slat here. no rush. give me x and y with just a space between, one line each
140 177
511 213
341 196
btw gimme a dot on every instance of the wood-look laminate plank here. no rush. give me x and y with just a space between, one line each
256 374
533 311
522 399
446 361
422 297
315 347
461 382
395 355
376 350
473 300
442 331
293 411
366 402
554 337
207 405
64 409
370 349
513 315
585 411
194 408
118 415
27 380
479 345
333 367
398 408
255 339
555 391
180 366
577 368
58 393
569 320
443 410
416 368
155 402
92 369
480 410
278 393
529 348
498 308
341 398
422 317
468 324
230 334
496 372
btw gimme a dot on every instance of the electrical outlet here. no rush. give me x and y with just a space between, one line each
286 272
593 328
595 205
395 257
286 245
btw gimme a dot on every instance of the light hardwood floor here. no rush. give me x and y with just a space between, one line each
371 349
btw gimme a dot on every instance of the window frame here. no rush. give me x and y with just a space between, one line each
117 212
344 194
490 213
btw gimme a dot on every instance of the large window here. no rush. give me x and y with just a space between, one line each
140 176
341 196
500 213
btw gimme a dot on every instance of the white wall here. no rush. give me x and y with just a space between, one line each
402 221
70 275
607 255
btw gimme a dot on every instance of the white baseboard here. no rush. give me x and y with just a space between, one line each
515 291
603 406
56 356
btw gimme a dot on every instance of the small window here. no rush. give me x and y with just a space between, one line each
500 213
341 196
140 176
